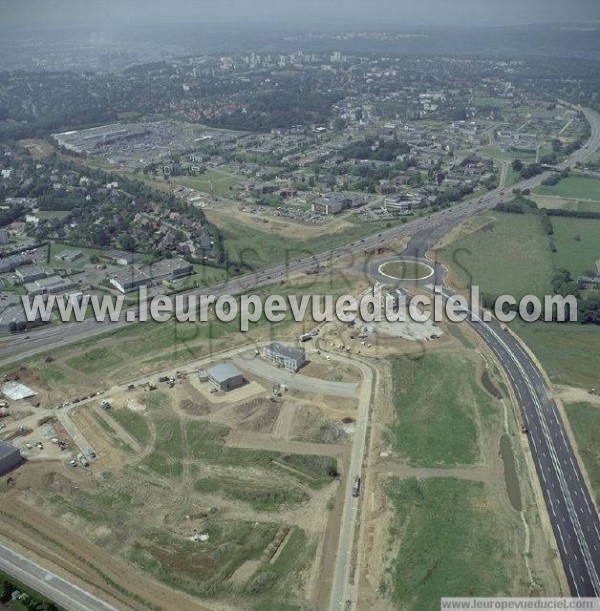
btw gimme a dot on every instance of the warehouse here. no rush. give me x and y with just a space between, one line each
10 457
285 356
225 377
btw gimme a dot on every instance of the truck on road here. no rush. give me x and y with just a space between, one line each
356 486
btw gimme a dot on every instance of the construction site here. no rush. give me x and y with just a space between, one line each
262 475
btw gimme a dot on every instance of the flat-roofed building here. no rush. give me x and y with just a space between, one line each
31 273
68 256
51 285
130 280
285 356
118 257
225 376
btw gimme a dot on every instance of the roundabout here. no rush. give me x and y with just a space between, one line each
405 270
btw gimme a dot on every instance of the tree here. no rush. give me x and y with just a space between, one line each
517 165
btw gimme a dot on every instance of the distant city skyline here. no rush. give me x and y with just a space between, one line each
56 14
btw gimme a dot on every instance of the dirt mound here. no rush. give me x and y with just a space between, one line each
311 425
194 408
258 415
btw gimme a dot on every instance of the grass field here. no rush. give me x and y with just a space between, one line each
203 569
585 422
578 186
577 244
52 214
212 181
263 497
437 402
509 255
480 101
166 459
570 353
260 249
448 530
134 423
281 579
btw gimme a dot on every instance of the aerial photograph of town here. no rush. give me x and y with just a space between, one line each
299 305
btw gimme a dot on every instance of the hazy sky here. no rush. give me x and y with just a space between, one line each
393 13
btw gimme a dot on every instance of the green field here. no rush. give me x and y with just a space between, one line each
480 101
452 542
52 214
578 186
260 249
585 422
202 570
262 497
135 423
437 402
500 155
166 459
510 254
570 353
212 181
577 243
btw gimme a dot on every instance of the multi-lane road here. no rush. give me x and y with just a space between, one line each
571 511
55 588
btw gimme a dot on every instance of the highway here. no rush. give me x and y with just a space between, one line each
571 511
48 584
570 507
435 225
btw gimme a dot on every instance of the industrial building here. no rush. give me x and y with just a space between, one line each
225 376
130 280
335 202
49 285
10 457
285 356
31 273
405 202
147 275
68 256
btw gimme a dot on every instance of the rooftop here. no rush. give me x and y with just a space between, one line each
6 449
223 372
286 351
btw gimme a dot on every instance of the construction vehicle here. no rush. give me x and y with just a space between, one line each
105 405
356 486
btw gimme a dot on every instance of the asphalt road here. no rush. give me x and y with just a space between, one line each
48 584
341 589
574 520
297 380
